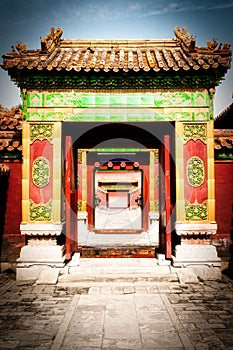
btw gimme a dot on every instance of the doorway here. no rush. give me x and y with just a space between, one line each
118 194
117 186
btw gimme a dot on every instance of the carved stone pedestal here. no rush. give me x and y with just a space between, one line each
196 252
41 252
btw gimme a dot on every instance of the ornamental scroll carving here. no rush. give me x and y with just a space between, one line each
196 212
195 171
195 132
41 132
40 212
41 172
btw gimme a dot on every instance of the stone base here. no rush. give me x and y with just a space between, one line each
35 259
202 259
48 276
162 260
153 217
33 272
82 216
186 275
207 272
73 265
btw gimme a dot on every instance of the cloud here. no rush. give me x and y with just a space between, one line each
119 9
167 7
97 10
221 6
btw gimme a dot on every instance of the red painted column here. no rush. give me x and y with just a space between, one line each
90 194
71 201
146 198
168 195
79 184
68 196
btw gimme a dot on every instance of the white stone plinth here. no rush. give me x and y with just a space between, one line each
82 216
27 272
202 259
192 229
193 253
34 259
41 229
153 216
41 254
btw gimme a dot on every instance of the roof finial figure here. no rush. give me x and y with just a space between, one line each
188 41
212 44
51 41
188 44
21 48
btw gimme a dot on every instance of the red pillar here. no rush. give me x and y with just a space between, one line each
168 195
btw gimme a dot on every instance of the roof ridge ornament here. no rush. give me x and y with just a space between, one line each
188 42
52 40
20 47
180 55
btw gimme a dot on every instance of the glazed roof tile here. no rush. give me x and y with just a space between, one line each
178 54
223 138
10 129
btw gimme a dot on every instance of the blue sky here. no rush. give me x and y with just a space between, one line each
27 21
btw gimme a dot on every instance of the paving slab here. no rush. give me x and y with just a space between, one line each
48 276
186 275
130 315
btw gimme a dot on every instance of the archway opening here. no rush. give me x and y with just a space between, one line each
119 181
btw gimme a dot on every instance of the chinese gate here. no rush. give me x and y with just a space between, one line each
125 100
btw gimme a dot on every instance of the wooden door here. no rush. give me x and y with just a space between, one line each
165 242
71 200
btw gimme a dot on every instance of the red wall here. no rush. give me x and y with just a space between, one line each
11 239
13 215
224 199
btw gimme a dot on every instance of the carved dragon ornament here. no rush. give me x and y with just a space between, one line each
49 43
188 43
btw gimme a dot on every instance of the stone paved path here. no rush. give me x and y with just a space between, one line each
105 220
118 219
116 316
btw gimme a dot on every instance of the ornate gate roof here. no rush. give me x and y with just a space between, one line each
179 55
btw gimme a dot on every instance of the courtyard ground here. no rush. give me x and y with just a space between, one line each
140 314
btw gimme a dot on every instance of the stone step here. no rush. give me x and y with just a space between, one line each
118 252
77 278
117 270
